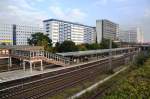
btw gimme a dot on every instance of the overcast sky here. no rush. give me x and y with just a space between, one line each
123 12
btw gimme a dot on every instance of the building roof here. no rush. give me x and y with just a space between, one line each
90 52
67 22
22 47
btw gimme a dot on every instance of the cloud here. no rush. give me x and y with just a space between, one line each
100 2
20 12
105 2
25 12
142 21
147 12
145 24
38 0
120 0
74 14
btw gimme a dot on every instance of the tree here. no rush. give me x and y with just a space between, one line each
94 46
114 45
105 44
40 39
3 43
81 47
56 48
67 46
87 45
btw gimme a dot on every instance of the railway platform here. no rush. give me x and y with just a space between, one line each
76 58
20 74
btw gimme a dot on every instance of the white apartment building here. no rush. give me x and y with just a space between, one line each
106 29
17 34
23 32
60 31
6 33
131 35
140 35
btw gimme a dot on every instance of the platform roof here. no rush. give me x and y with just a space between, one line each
21 47
90 52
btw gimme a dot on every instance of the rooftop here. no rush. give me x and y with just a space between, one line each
90 52
21 47
67 22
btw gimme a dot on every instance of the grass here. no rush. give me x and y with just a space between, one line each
135 86
133 83
71 91
90 94
123 85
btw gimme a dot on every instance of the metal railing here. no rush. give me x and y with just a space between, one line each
44 55
57 58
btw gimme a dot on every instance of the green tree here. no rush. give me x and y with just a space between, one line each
140 59
87 45
56 48
3 43
40 39
105 44
114 45
81 47
94 46
67 46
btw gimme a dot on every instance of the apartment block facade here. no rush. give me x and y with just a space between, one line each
6 31
131 35
14 34
106 29
60 30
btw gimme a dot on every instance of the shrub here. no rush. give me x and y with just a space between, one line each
140 59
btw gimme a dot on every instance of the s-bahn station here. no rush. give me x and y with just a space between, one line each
28 65
34 60
32 55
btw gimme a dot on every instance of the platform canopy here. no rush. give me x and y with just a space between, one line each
21 47
90 52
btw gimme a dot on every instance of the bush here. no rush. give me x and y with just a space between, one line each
67 46
140 59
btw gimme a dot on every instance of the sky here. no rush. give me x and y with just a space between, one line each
123 12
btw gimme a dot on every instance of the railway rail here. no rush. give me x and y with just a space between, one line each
21 82
47 86
50 81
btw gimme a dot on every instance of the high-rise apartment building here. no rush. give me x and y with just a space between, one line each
106 29
23 32
140 35
17 34
6 33
131 35
60 30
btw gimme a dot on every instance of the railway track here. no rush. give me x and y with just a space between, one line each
50 80
51 85
22 82
45 75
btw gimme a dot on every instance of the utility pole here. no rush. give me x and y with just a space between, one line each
110 55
